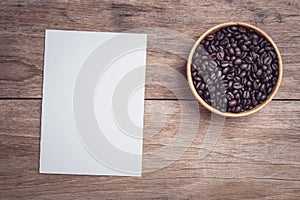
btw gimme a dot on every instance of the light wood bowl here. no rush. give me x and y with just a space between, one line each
230 114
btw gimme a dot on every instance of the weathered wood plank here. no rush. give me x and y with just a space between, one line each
256 157
22 26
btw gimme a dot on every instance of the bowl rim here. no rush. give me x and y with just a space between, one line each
230 114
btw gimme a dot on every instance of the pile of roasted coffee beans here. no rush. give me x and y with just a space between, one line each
234 69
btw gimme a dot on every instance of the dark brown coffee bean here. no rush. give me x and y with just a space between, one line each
249 83
246 94
202 86
229 95
243 74
258 96
229 77
232 103
263 97
259 72
254 68
238 61
212 64
231 51
247 43
254 102
226 70
238 109
263 87
220 55
268 60
224 64
237 79
244 47
220 36
237 86
210 37
219 73
237 96
242 29
244 66
270 90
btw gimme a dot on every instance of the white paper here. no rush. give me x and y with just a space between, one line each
93 103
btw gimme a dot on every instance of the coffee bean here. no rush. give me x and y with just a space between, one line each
237 49
226 70
237 96
197 78
244 47
219 74
258 96
243 74
263 87
212 64
237 79
210 37
224 64
231 51
238 109
259 72
246 94
232 103
244 66
238 61
264 67
202 86
220 55
254 67
242 29
263 97
268 60
234 69
229 76
249 83
237 86
269 90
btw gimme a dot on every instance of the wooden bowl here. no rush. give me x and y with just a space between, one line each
247 112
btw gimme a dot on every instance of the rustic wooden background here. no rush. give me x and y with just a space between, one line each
256 157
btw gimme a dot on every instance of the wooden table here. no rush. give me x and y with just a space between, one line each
256 156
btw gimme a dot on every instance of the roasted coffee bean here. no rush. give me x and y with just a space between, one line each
237 79
229 96
212 64
226 70
244 66
232 103
243 74
259 72
202 86
234 69
263 87
231 51
238 61
246 94
237 86
258 96
267 60
238 109
220 55
210 37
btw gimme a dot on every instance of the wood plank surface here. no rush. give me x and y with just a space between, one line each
253 158
23 23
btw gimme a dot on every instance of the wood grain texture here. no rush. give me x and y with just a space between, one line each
252 159
23 23
255 156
